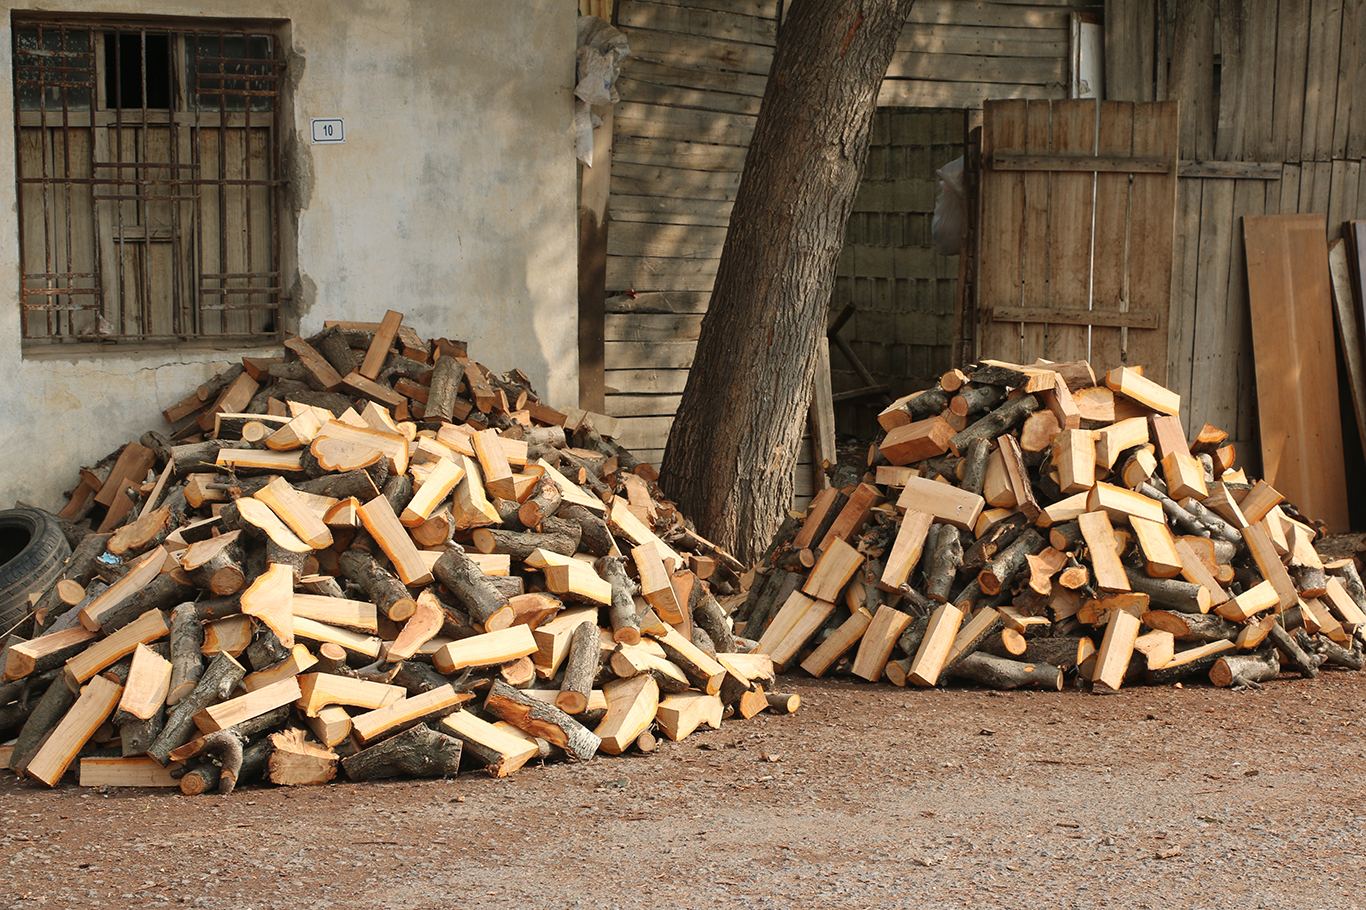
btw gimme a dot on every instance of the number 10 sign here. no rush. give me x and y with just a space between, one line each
329 131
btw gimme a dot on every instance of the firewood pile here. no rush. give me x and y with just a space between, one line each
372 553
1023 525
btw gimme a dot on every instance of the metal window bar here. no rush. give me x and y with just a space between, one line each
221 299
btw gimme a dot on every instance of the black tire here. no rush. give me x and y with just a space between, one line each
33 551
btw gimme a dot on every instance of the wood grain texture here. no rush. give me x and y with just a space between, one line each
1297 387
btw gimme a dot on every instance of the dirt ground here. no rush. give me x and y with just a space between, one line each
870 796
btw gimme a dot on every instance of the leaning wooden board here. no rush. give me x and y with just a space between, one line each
1296 360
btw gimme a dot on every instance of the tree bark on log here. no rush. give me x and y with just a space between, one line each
976 398
1204 627
1001 673
948 556
214 686
161 593
187 660
545 500
595 538
543 720
358 484
1306 664
485 604
580 668
1170 593
1239 670
1330 654
520 544
380 585
708 615
731 453
998 537
975 465
417 752
1009 563
46 714
1002 420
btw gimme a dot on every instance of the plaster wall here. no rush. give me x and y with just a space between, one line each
451 201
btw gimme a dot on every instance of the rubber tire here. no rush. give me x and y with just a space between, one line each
33 551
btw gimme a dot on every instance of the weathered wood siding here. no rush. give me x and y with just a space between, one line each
1269 81
689 94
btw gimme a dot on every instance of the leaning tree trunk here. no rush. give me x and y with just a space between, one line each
733 446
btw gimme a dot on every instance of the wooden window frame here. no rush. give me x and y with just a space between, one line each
144 224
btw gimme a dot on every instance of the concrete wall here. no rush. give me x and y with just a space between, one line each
452 201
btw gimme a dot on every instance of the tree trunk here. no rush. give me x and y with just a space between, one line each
731 452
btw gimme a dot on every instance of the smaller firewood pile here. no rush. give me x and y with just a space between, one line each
372 553
1020 525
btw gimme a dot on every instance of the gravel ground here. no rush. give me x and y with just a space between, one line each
870 796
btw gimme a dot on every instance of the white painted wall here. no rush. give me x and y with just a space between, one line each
452 201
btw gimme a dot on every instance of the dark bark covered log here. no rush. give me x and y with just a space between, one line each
703 640
998 537
1206 627
1061 652
212 608
187 661
80 568
381 586
595 539
219 571
1330 654
161 593
993 630
948 556
520 544
398 490
441 397
46 714
580 669
1310 581
1239 670
416 677
545 500
787 582
202 457
1065 536
1174 673
976 398
622 610
752 596
1306 664
1184 521
417 752
1169 593
1001 673
215 685
542 720
137 735
910 640
331 344
1004 418
729 462
708 615
468 585
1009 563
975 465
1213 522
359 484
928 403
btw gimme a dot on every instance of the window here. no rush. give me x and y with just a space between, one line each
149 180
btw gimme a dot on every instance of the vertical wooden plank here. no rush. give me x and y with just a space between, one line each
1292 48
1110 270
594 186
1297 387
1152 218
1130 32
1339 209
1347 85
1354 24
1322 187
1248 199
1289 186
1185 273
1321 47
1002 226
1034 246
1216 384
1259 50
1192 78
1069 232
1235 78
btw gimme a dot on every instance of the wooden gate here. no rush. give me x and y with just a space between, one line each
1078 202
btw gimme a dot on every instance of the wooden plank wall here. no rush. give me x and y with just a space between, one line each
1260 81
901 287
689 94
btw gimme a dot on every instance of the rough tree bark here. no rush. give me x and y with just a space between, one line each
731 452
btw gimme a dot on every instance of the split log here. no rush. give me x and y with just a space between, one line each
707 615
1192 626
381 586
580 669
542 720
55 702
214 686
1245 670
58 750
1001 673
419 751
295 761
1002 570
468 584
1001 420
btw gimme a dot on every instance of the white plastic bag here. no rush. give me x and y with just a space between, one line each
601 50
947 224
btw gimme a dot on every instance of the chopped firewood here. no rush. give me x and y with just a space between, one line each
96 703
631 707
679 715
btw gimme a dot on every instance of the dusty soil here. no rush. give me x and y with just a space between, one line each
870 796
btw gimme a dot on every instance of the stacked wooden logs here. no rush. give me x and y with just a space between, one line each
1022 525
371 553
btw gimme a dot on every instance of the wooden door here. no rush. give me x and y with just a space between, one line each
1078 204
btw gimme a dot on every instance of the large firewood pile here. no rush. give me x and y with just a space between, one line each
375 556
1024 525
